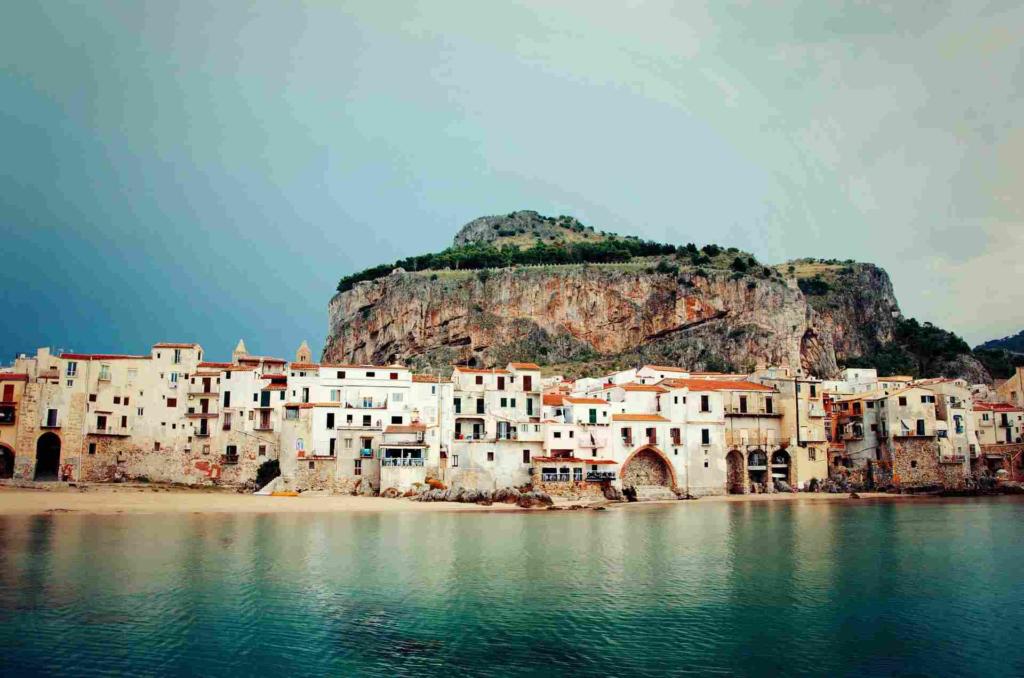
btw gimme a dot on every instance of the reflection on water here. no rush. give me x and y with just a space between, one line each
929 588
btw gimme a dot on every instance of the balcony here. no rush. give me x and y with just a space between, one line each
209 414
600 476
736 411
95 430
367 405
203 389
229 459
202 433
753 440
366 453
51 423
401 462
555 477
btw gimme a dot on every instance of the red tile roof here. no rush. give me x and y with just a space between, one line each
715 385
216 364
275 376
299 406
585 401
553 399
638 417
304 366
995 407
275 387
525 366
474 370
427 379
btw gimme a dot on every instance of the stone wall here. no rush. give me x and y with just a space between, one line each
915 464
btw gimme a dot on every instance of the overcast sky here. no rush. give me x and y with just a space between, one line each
206 170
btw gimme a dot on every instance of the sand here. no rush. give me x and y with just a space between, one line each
158 499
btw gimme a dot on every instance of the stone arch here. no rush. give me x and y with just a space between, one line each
648 466
736 476
782 465
6 462
48 456
757 467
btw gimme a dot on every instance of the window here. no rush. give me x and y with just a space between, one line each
290 413
705 436
227 398
526 456
92 397
743 403
263 450
558 434
920 427
504 402
92 448
479 380
593 416
627 435
397 419
156 445
572 434
174 377
812 454
340 374
814 391
769 405
305 394
358 466
117 400
705 463
455 460
577 475
366 420
371 375
458 405
393 376
705 403
312 465
138 411
913 463
903 401
126 401
177 356
335 395
330 420
72 369
490 456
172 402
331 444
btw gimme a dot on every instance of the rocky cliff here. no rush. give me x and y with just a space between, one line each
712 309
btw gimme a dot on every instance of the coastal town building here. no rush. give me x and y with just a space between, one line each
171 415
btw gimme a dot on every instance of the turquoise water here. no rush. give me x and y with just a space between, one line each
878 588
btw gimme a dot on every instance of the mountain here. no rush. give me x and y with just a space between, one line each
551 290
1014 344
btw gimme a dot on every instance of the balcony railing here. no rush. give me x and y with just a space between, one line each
401 462
600 476
94 430
200 390
229 459
555 477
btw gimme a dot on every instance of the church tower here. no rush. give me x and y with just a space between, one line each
240 351
304 354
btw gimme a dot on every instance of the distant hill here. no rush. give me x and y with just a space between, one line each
552 290
1014 344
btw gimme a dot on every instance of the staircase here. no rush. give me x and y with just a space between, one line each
654 493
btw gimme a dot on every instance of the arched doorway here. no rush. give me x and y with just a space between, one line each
735 482
757 467
47 456
781 466
648 467
6 462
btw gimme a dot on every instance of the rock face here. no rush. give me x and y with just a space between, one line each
608 315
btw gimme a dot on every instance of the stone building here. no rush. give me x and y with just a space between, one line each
12 389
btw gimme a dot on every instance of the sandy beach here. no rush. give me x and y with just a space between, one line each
146 499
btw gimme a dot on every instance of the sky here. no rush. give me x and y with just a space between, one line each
207 170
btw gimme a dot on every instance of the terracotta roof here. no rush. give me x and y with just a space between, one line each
525 366
410 428
300 406
206 374
275 376
654 388
102 356
13 376
216 364
427 379
585 401
304 366
275 387
715 385
995 407
173 345
552 399
638 417
897 377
